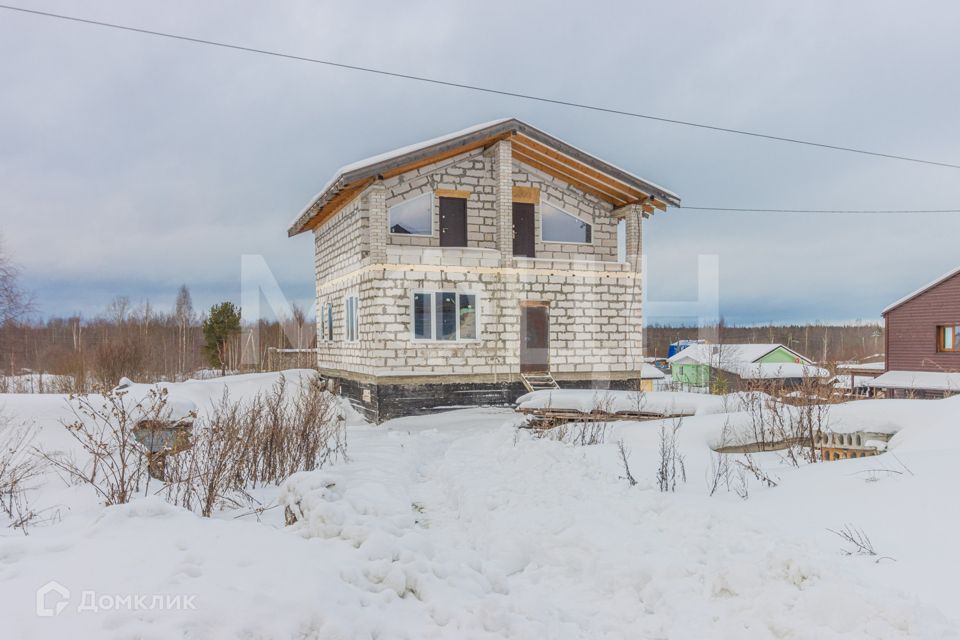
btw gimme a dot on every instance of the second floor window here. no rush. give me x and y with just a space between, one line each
412 217
444 316
556 225
948 338
352 319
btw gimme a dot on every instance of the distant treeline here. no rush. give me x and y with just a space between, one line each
819 342
138 342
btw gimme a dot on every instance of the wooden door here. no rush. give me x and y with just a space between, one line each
524 231
453 222
534 337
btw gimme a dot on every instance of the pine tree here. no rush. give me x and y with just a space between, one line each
222 325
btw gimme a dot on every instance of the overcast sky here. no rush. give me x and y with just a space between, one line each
131 164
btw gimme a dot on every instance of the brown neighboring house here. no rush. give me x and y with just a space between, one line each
923 341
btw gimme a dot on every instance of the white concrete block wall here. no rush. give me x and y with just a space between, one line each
595 306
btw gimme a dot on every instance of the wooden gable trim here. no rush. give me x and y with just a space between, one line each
588 174
570 179
337 203
569 175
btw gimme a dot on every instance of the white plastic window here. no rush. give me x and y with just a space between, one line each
413 217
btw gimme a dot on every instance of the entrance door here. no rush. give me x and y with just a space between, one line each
534 337
453 222
524 233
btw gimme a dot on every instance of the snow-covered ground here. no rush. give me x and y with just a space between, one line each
458 525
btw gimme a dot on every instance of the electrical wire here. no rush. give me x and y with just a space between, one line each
470 87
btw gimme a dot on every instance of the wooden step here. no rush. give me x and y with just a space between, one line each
538 381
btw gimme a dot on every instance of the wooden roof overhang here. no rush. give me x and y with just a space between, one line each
530 146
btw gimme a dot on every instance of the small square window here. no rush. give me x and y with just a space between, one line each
948 338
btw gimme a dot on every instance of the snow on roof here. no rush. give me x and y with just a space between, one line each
650 372
844 381
865 366
930 285
774 370
725 353
920 380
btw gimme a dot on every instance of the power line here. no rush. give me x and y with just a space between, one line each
461 85
744 210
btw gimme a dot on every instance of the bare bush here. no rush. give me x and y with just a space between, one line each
789 419
671 467
103 426
581 434
719 473
19 467
625 460
240 444
749 465
859 542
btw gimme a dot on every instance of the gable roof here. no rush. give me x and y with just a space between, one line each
729 354
530 146
923 289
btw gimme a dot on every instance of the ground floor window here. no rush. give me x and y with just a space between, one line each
326 322
444 315
352 320
948 337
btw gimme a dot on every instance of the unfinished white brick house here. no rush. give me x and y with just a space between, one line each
463 269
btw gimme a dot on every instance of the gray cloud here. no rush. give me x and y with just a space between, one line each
130 164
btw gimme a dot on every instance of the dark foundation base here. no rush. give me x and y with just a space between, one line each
381 401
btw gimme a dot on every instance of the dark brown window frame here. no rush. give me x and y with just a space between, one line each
941 348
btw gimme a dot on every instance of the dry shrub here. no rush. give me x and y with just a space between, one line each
671 466
580 434
104 426
19 467
790 419
263 440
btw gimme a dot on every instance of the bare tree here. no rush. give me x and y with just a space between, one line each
118 309
15 302
185 317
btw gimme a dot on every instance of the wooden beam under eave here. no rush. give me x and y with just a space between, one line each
337 203
605 196
620 192
658 204
581 168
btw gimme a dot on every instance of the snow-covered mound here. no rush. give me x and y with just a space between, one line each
646 402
